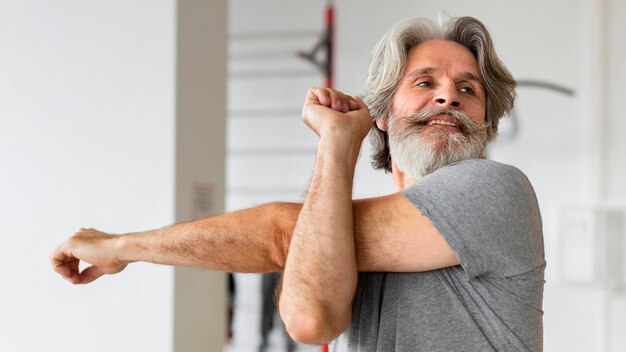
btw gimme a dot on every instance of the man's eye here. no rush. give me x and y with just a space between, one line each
467 90
423 84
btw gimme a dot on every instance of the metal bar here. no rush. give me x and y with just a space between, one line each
265 113
263 55
271 74
266 190
330 43
273 35
271 151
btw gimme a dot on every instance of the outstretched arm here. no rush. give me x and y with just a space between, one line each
250 240
390 235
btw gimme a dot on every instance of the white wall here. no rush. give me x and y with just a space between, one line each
615 313
615 92
86 139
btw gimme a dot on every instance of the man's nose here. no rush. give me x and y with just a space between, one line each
447 96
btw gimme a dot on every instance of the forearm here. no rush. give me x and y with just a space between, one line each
320 276
250 240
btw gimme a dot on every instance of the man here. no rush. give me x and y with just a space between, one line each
453 261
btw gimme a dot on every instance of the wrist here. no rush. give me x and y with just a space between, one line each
341 148
123 245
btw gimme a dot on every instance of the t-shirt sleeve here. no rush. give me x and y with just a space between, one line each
488 214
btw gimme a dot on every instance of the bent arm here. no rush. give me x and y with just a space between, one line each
390 235
321 272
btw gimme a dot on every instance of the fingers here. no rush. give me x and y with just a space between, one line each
68 268
333 99
65 265
90 274
359 103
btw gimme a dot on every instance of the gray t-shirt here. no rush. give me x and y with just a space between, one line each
488 214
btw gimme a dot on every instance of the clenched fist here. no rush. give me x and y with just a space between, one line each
328 111
91 246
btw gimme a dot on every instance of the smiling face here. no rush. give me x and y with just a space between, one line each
438 110
440 73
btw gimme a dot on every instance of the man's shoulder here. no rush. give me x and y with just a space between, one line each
482 166
477 172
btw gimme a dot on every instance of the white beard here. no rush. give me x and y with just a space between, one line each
418 150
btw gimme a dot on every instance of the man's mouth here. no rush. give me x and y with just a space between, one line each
442 122
445 121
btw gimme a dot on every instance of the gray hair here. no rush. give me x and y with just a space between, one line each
389 59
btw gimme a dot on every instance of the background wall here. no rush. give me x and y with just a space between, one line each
86 139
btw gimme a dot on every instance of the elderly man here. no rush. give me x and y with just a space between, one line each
453 261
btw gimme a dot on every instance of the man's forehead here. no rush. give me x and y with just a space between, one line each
430 70
433 56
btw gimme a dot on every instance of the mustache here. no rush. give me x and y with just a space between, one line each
467 124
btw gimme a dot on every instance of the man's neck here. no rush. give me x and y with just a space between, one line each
400 179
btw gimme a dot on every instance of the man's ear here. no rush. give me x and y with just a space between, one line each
381 123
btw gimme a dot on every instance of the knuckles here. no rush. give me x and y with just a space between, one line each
325 106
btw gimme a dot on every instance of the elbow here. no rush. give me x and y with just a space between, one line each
313 328
305 329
